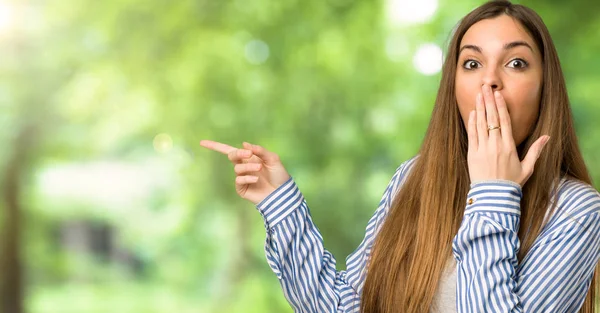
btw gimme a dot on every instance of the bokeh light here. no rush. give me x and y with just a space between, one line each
257 51
428 59
163 143
407 12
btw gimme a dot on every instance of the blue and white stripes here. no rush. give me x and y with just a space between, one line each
557 271
553 277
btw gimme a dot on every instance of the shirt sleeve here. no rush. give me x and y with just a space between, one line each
295 253
555 274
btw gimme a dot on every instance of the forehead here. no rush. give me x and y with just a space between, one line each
496 32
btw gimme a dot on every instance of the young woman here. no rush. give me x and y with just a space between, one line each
488 217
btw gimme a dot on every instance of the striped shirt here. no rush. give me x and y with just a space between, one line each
554 276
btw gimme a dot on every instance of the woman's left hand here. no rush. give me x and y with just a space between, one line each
493 154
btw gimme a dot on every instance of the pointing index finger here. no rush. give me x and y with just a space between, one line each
217 146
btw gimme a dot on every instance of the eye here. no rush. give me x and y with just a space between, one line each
518 64
470 64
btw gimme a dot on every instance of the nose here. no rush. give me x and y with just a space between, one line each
492 79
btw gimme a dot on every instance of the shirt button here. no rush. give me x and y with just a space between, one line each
471 200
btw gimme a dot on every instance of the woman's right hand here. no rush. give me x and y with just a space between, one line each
258 171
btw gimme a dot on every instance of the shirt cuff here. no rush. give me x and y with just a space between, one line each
497 196
280 203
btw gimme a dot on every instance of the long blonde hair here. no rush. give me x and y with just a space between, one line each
415 241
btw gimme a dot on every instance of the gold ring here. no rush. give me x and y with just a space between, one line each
490 127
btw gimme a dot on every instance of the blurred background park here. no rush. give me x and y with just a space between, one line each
109 204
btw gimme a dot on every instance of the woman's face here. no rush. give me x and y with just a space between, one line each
500 53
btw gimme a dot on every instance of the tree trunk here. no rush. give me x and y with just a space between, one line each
11 283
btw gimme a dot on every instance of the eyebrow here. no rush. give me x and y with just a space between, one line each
507 46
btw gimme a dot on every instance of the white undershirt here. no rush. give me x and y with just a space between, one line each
444 300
